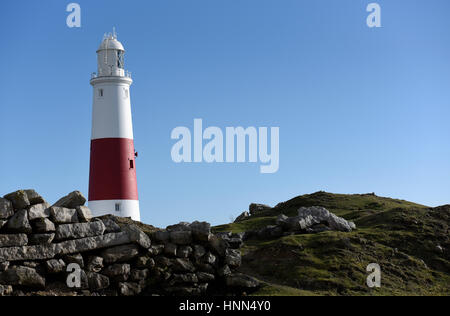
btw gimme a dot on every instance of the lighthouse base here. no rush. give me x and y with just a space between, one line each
121 208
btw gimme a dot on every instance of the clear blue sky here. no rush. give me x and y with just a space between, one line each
359 110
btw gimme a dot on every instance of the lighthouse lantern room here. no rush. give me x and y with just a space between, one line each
112 177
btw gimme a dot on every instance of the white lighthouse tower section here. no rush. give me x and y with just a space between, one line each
111 119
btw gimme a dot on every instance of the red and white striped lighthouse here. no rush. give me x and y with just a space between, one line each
112 178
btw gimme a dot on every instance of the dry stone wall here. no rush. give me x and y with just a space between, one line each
63 250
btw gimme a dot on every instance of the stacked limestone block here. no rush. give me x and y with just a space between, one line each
45 249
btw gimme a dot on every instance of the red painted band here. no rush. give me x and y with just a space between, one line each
113 170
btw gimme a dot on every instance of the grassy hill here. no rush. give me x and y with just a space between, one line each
404 238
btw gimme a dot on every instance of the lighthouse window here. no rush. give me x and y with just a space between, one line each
131 164
120 59
117 206
125 91
100 92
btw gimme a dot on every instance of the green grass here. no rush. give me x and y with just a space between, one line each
400 236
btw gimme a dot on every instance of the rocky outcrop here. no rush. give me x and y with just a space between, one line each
313 219
42 246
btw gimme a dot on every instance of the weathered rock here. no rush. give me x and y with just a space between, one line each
183 278
120 253
5 290
155 250
111 226
55 266
224 271
31 264
209 258
184 251
2 223
97 281
44 225
242 216
218 244
39 252
129 288
4 266
19 223
145 262
199 251
200 230
19 199
37 239
6 209
321 214
182 265
139 275
75 258
95 264
137 236
163 262
233 257
236 243
182 226
13 240
23 276
118 272
271 231
84 214
34 197
80 230
62 215
239 280
161 236
204 267
93 243
72 200
170 249
258 208
181 237
205 277
39 211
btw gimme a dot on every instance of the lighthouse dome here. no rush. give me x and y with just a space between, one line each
110 42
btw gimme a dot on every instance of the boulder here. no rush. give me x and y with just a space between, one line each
34 197
13 240
161 236
138 236
92 243
55 266
181 237
143 262
182 265
224 271
19 223
321 215
6 290
183 226
84 214
209 258
6 209
243 281
19 199
4 266
39 211
2 223
75 258
62 215
184 251
111 225
37 239
139 275
243 216
258 208
129 288
38 252
183 278
233 258
72 200
118 272
95 264
205 277
97 281
218 244
22 276
43 226
155 250
170 249
80 230
200 230
199 251
120 253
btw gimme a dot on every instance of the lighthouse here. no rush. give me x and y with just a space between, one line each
112 177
